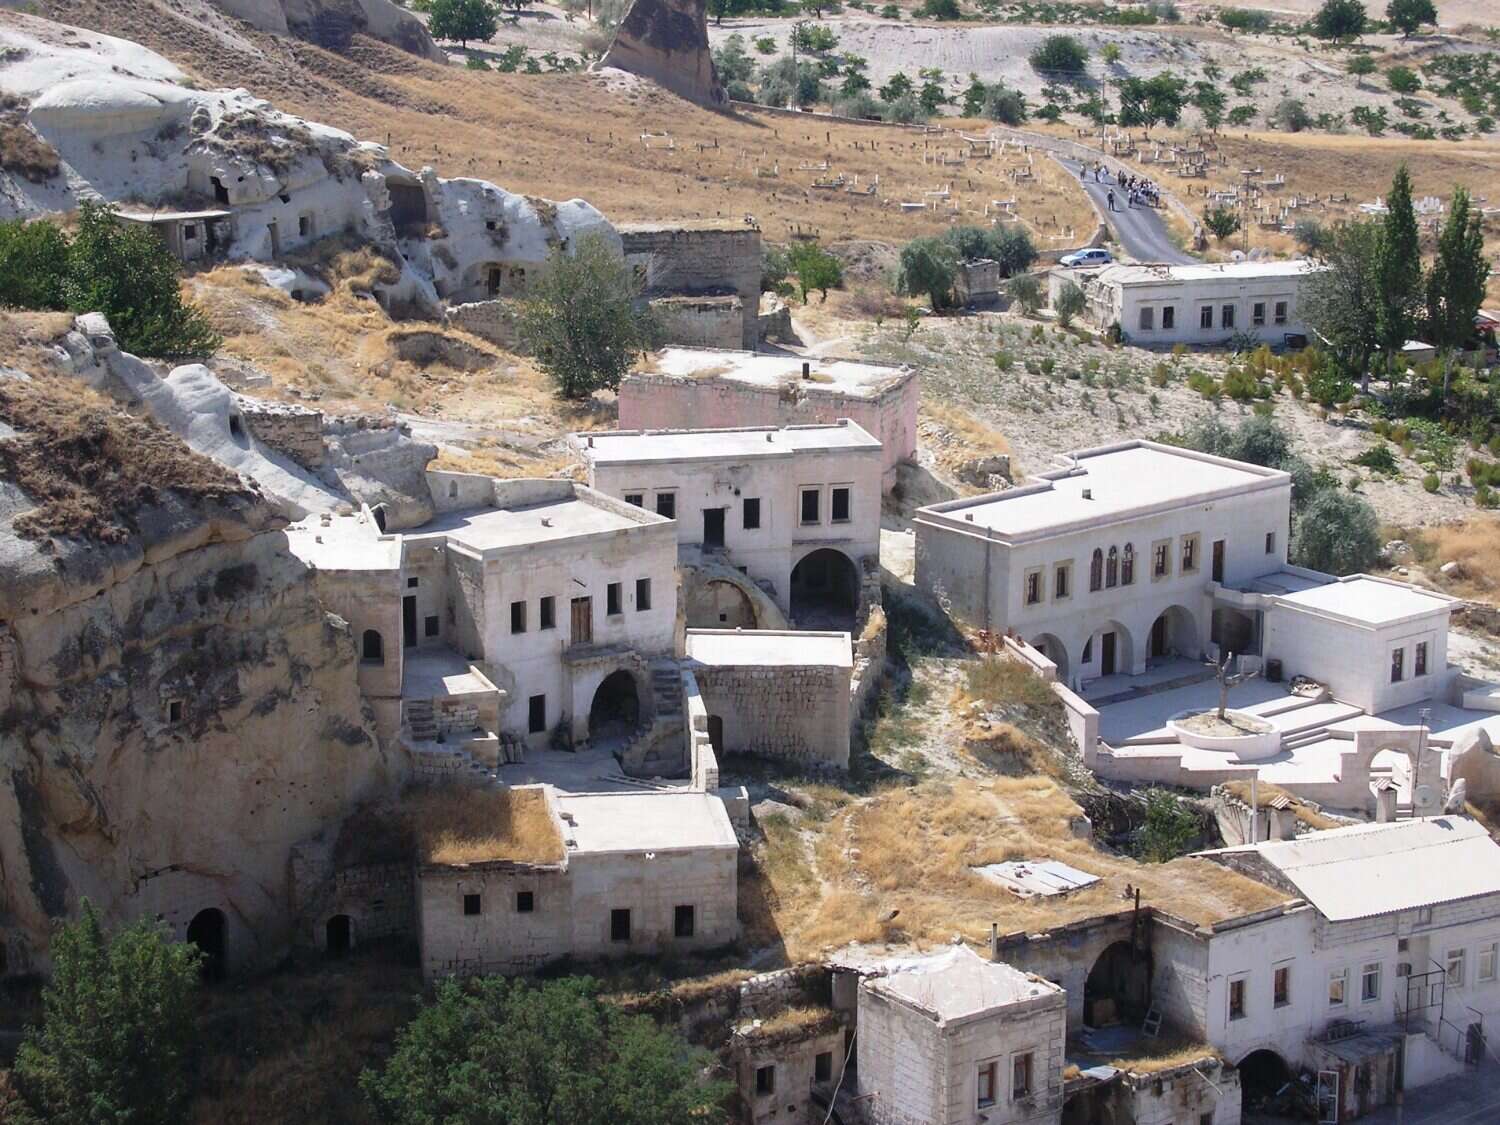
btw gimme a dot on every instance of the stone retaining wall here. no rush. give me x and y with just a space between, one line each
800 713
296 431
697 260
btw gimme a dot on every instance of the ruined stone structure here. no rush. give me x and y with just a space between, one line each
296 431
667 42
702 278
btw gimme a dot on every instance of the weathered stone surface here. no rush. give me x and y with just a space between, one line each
667 42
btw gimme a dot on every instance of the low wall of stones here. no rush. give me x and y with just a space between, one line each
776 324
869 669
378 898
702 760
798 713
494 321
700 322
295 431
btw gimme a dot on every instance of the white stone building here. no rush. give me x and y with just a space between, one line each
796 508
1107 562
1204 303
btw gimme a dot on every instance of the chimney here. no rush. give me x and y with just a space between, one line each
1385 803
806 370
1088 493
770 435
546 521
591 441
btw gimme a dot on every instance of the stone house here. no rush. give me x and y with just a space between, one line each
795 509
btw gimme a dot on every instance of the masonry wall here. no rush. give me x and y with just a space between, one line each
1205 1091
795 1069
293 430
492 320
797 713
378 898
697 261
701 322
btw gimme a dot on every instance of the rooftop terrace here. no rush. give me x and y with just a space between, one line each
847 376
645 821
1364 600
495 529
768 647
627 447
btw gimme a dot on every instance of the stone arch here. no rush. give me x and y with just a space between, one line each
1424 769
825 589
338 935
1174 633
209 931
1118 987
1233 630
718 603
1054 650
1262 1073
1110 650
616 708
372 647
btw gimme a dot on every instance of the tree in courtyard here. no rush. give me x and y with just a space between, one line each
1339 297
929 265
1455 284
815 269
1339 19
1336 532
583 322
116 1039
1407 16
495 1051
1398 269
462 20
1070 302
1060 55
1222 222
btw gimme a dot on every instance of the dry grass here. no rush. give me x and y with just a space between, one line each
963 436
22 152
91 468
1475 546
1265 793
457 825
791 1025
1166 1053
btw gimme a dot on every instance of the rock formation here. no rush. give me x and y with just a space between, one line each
329 23
667 42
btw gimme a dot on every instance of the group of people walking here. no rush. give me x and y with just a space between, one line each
1135 190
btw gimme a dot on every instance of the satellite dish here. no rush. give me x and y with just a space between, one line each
1236 255
1424 796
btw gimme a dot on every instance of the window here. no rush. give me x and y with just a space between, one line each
174 711
1456 967
190 232
1369 982
1088 651
810 498
985 1087
1237 998
411 583
619 925
682 921
1398 665
1488 955
536 714
1020 1076
471 904
823 1066
1033 587
1419 660
547 613
431 626
1206 317
1258 314
1148 319
838 506
1161 560
1168 317
1281 986
525 902
1280 312
1189 554
1112 569
372 648
765 1080
1096 571
1127 565
642 594
518 617
1338 981
638 499
666 504
612 600
1061 577
752 513
1270 542
1226 317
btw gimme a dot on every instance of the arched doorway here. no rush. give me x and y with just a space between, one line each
1118 988
338 935
1234 631
207 931
1174 633
616 710
825 590
718 604
1109 652
1055 651
1262 1074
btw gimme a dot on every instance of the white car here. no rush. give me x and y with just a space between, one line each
1093 256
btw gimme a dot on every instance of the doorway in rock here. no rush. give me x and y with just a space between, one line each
716 734
713 527
616 710
825 591
1262 1074
207 931
409 621
338 935
1118 988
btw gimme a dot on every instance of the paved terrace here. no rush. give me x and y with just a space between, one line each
761 369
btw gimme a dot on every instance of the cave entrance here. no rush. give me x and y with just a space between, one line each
208 931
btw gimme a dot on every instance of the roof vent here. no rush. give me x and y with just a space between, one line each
546 521
1088 493
591 441
770 435
806 370
969 516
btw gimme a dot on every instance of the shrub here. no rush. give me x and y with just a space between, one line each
1168 830
1430 482
1026 291
33 265
1245 19
1005 105
1336 531
1403 80
1070 302
1380 459
1004 360
765 44
1291 115
940 10
1061 55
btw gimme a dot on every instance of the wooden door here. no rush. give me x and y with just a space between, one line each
1107 655
583 621
1218 560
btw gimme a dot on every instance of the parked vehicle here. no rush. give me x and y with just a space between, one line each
1093 256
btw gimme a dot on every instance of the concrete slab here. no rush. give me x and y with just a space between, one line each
644 447
593 770
493 529
863 380
1149 713
741 648
431 673
646 822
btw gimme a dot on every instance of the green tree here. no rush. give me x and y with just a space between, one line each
1110 53
1406 16
929 265
462 20
1070 302
815 269
855 81
1147 101
1060 55
116 1039
1398 269
932 97
33 265
1455 285
1222 222
1168 828
1336 532
517 1052
1360 65
1291 114
1403 80
1025 291
897 87
940 10
1338 299
974 95
1211 103
582 320
1339 19
127 273
1005 105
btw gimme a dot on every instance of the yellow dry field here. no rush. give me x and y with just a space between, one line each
458 824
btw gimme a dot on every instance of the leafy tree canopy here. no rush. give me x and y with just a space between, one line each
462 20
929 265
1339 19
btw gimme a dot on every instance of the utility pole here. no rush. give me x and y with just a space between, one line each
1247 175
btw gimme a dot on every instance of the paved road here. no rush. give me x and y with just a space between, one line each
1140 230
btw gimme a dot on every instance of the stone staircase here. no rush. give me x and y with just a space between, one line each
420 720
659 748
666 689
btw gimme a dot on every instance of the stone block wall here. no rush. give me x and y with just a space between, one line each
797 713
494 321
296 431
689 260
701 322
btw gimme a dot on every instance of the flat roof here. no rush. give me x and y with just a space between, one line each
1205 271
1121 480
1368 869
737 648
645 821
847 376
170 216
1365 600
626 447
493 529
349 541
958 983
